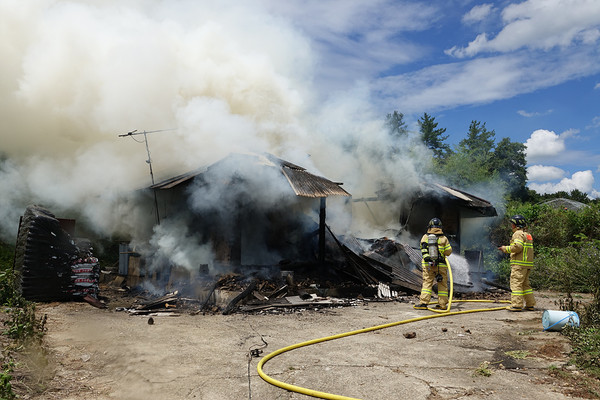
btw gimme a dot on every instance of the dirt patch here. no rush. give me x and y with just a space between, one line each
108 354
552 350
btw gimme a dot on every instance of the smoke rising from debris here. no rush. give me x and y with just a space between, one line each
224 76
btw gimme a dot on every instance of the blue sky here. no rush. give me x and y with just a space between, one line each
529 69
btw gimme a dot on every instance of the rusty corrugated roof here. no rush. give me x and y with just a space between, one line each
302 182
306 184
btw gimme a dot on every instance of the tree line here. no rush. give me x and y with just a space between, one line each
477 159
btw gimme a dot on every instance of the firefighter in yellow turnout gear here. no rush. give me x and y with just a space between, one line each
435 247
521 263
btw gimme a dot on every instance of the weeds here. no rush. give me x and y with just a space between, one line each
6 391
9 296
585 343
578 386
483 369
517 354
23 325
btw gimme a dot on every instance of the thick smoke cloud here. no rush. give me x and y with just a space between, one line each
217 77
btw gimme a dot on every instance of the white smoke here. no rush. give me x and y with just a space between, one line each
217 77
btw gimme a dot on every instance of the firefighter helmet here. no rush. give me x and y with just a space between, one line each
435 223
518 220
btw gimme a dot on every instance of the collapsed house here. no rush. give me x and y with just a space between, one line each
457 209
248 212
463 215
257 212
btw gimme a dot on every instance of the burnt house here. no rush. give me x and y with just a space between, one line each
250 210
257 211
457 209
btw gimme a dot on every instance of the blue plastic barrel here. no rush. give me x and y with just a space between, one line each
553 320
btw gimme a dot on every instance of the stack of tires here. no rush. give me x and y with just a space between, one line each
49 265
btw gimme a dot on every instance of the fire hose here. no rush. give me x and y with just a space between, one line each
324 395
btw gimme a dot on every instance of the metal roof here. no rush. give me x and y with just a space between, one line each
302 182
435 189
566 204
484 206
306 184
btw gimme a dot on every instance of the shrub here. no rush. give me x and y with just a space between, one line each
6 391
23 325
585 343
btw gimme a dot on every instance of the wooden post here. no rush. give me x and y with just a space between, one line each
322 231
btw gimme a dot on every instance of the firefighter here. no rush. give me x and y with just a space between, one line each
521 263
435 247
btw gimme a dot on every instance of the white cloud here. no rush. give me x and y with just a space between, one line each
542 173
597 86
595 123
482 80
478 13
539 24
358 39
581 180
569 133
527 114
544 144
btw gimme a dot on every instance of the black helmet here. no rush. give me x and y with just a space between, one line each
435 223
518 220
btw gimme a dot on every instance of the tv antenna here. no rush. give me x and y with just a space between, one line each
149 160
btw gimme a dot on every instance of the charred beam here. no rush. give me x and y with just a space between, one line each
230 307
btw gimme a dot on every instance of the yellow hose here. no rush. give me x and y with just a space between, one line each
324 395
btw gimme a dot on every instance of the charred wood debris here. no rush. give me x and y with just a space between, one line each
258 296
382 273
255 295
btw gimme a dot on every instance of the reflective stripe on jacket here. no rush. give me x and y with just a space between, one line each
444 248
521 249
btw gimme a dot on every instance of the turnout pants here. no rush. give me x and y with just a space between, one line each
521 291
429 274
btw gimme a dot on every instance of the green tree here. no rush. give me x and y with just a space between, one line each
396 125
579 196
508 159
479 141
431 135
469 163
397 130
463 169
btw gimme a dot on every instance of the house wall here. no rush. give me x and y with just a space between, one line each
423 210
250 234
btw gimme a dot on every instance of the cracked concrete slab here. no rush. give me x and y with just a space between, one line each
104 354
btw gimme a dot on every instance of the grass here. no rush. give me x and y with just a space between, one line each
518 354
585 343
483 369
21 326
578 386
6 390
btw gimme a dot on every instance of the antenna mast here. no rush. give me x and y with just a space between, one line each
149 161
